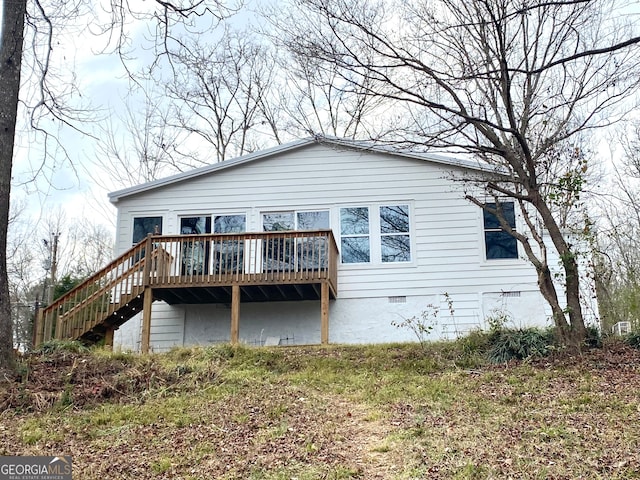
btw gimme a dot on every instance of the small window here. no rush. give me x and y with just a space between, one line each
229 224
228 255
498 243
354 231
195 225
395 241
313 220
143 226
278 221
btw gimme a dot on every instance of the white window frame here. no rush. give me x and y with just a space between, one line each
295 212
483 243
163 228
375 235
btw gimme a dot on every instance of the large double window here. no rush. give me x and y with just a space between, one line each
281 254
218 256
375 234
498 243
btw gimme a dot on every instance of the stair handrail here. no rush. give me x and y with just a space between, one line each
43 313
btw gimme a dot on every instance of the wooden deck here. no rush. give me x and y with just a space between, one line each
192 269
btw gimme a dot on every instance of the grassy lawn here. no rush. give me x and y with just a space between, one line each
338 412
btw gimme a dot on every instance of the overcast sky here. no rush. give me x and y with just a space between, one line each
103 89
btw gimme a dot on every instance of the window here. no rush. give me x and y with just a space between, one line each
391 245
212 255
195 254
142 226
395 242
312 253
313 220
278 221
354 233
229 254
229 224
195 225
282 254
498 243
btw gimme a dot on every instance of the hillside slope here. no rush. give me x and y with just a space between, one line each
374 412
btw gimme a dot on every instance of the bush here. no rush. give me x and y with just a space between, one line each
69 346
519 344
633 339
475 341
594 337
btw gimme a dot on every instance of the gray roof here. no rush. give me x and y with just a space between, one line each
114 197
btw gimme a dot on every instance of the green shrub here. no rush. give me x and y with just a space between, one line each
70 346
519 344
476 341
632 339
594 337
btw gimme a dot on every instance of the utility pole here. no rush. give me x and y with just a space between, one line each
54 265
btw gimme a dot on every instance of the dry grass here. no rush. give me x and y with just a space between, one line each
386 412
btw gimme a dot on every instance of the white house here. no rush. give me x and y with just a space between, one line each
407 243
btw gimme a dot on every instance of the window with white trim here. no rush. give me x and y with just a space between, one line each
229 254
143 226
499 245
354 235
284 254
204 256
384 237
395 241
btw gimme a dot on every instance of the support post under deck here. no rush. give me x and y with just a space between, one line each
324 313
108 338
146 319
235 313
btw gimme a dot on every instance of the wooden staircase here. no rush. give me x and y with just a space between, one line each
191 269
103 302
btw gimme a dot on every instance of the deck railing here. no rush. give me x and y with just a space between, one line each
183 261
245 258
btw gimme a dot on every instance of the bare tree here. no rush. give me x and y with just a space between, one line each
80 247
44 22
318 100
511 83
618 240
218 92
136 147
21 271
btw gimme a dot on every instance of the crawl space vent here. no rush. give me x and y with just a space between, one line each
397 299
510 294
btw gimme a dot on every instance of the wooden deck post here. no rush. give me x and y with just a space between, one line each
324 313
37 328
235 313
108 338
146 319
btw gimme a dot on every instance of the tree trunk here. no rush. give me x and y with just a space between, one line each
574 333
10 62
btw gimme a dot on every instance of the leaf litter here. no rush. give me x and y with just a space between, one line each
125 417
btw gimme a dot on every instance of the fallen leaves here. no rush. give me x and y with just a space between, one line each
148 418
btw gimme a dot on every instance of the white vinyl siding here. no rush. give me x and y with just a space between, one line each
445 229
